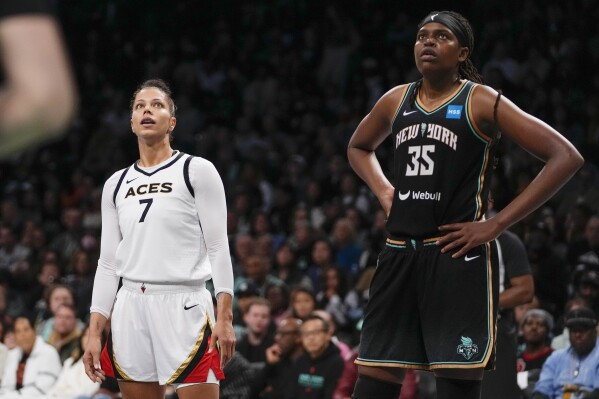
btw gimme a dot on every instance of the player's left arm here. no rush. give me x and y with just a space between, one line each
211 206
561 160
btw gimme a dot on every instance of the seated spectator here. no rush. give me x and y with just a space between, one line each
344 349
65 332
588 288
258 336
58 294
562 340
278 297
322 257
347 249
303 302
286 268
573 372
11 252
81 281
271 380
32 367
536 327
315 373
73 383
342 302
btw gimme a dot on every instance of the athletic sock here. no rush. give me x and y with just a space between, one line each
371 388
452 388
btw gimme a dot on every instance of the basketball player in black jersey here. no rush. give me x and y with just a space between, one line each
433 299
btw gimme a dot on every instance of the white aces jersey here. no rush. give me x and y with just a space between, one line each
162 239
164 224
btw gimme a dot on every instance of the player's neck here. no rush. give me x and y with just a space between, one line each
152 155
438 88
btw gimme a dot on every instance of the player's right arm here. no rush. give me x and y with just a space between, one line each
106 281
369 134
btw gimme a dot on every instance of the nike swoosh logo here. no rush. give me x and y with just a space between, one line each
189 307
129 181
403 196
469 258
408 113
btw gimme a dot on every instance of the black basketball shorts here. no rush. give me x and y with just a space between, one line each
427 310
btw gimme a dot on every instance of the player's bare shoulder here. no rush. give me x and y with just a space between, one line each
387 105
483 102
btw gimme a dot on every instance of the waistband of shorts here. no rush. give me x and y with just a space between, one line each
411 243
163 288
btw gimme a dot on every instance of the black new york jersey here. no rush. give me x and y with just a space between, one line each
442 168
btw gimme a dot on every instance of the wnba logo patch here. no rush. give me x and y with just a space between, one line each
454 112
467 348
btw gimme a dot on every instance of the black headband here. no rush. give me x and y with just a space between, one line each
452 23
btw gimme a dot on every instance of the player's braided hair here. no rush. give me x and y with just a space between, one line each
466 69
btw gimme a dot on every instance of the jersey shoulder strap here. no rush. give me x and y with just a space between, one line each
186 175
118 185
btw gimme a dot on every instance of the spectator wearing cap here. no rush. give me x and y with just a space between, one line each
588 288
573 372
537 326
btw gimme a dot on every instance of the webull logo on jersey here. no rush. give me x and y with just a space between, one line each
419 195
454 112
151 188
430 131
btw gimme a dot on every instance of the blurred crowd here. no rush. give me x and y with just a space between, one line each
270 92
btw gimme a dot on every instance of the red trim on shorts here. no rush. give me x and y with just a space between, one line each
209 361
105 362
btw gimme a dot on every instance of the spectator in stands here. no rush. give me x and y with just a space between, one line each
342 302
286 269
278 297
58 294
537 328
32 367
322 257
81 281
586 250
587 287
573 372
315 373
271 382
258 335
11 252
303 302
73 383
347 250
257 270
65 334
562 340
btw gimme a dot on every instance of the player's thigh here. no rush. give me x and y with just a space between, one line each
145 390
204 391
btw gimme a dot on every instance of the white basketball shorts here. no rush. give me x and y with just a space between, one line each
162 333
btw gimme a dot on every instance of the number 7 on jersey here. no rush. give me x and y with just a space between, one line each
148 202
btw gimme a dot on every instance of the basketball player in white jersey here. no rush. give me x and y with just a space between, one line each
164 234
